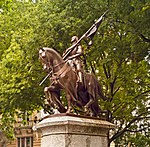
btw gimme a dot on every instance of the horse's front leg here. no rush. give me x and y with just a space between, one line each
48 96
54 97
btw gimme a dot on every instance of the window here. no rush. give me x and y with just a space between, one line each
25 142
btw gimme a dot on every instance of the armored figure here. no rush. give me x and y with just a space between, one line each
74 58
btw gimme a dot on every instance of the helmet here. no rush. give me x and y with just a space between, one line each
74 38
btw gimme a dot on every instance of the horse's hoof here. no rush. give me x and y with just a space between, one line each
46 89
69 110
86 109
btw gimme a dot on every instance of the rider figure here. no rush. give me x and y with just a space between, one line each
74 58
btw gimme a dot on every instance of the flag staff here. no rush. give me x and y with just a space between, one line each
89 34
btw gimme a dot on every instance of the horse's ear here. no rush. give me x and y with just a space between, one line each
41 48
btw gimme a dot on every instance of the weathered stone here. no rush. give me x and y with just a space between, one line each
73 131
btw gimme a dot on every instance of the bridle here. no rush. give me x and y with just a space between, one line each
48 64
50 68
63 62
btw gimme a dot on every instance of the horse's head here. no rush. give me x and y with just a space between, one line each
45 60
50 59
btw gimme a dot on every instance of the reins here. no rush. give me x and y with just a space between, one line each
50 73
58 64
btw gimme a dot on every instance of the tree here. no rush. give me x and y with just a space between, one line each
123 69
19 71
120 53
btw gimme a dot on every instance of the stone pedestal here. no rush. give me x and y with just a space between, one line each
66 130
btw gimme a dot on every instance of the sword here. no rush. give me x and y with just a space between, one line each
45 78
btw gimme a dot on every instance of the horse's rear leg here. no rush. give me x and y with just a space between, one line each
88 105
54 98
92 96
69 100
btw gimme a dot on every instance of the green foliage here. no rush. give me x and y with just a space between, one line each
118 56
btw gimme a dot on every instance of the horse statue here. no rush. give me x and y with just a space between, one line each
83 99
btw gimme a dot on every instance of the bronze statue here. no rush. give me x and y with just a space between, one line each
66 73
64 77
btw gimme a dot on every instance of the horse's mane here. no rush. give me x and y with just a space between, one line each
53 51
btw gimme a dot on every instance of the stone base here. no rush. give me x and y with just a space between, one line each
67 130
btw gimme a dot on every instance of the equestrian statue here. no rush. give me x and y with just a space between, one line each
66 73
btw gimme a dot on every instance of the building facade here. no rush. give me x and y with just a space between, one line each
26 134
